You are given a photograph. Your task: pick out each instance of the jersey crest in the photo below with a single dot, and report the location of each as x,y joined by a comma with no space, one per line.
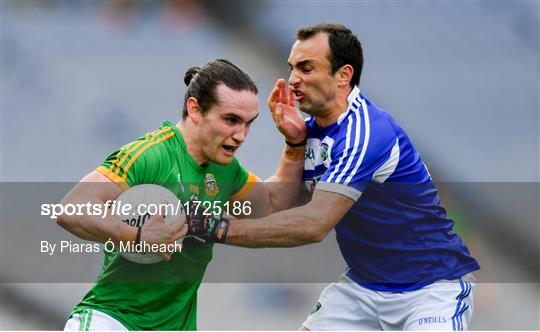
325,151
210,184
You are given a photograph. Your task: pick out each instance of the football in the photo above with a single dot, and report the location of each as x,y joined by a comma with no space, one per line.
138,204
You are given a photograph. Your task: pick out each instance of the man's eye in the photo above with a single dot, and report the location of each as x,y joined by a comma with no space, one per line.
231,120
307,69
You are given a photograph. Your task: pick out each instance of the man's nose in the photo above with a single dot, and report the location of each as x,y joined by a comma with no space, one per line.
240,134
294,79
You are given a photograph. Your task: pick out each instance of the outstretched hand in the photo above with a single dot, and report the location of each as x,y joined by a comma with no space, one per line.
287,118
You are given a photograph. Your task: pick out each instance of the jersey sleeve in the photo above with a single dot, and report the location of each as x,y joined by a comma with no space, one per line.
137,162
365,154
242,182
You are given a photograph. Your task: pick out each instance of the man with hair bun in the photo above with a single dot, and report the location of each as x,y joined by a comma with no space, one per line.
194,158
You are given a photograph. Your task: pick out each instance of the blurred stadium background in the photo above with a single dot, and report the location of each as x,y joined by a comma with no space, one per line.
81,78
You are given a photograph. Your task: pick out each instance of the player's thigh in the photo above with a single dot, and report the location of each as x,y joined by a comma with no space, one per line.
443,306
93,320
343,306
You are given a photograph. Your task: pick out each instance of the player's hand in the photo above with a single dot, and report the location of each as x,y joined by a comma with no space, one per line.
156,231
287,118
206,228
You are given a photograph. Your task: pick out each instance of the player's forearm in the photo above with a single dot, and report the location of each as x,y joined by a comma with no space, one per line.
290,228
291,165
284,185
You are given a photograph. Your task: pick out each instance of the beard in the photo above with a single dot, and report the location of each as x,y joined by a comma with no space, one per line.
318,101
311,107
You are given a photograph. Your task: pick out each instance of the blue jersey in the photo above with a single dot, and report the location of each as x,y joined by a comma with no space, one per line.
396,236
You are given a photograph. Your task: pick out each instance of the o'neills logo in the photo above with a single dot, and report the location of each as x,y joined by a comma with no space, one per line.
431,320
138,221
210,184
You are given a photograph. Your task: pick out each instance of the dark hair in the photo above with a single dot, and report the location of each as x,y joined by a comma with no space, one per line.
345,48
201,82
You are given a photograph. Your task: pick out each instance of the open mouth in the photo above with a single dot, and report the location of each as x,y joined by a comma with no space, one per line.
230,148
298,95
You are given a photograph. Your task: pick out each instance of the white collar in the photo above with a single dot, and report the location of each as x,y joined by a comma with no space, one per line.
354,92
352,95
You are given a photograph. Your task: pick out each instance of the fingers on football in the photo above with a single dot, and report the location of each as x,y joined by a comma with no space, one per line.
159,216
179,230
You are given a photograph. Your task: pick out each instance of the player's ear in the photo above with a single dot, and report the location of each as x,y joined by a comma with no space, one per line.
193,109
344,75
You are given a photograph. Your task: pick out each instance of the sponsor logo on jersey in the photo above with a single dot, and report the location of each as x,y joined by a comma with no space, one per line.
318,153
310,156
210,184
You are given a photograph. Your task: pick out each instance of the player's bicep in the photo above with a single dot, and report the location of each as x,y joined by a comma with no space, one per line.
94,186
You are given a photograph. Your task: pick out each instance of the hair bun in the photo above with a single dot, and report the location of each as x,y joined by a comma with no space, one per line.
190,73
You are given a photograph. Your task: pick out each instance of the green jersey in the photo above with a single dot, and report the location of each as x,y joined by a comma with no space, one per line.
161,296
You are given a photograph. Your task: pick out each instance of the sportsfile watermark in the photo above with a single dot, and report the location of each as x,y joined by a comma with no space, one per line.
119,208
34,249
